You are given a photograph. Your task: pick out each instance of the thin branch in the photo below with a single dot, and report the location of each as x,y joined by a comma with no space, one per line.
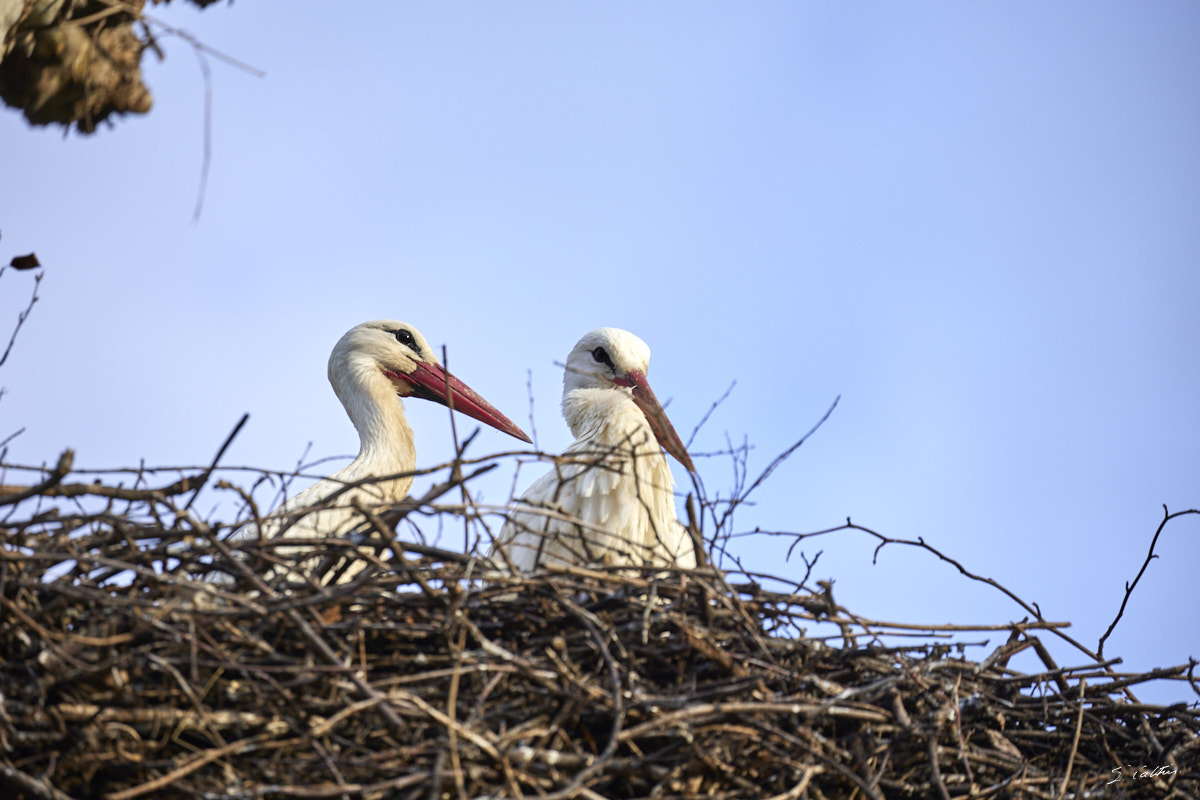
54,489
1029,607
52,480
1075,741
708,414
8,439
208,110
137,13
533,434
741,496
1167,517
24,315
217,459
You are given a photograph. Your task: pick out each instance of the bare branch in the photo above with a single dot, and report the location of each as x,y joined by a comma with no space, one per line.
52,480
22,316
1129,587
708,414
741,496
217,459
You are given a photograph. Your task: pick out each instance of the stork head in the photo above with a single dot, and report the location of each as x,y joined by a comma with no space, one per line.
610,358
399,353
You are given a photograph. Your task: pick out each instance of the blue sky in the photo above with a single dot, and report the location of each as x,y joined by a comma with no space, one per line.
976,223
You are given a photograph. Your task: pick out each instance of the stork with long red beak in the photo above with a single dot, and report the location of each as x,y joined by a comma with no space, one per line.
610,497
372,366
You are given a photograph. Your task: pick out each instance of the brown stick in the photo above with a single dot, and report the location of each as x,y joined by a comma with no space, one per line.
53,479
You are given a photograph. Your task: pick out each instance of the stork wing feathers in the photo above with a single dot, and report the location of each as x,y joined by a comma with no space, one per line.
614,506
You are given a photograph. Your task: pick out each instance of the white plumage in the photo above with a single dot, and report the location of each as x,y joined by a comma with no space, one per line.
372,366
610,497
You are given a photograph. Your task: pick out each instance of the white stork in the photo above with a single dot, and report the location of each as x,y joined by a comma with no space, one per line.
610,498
371,367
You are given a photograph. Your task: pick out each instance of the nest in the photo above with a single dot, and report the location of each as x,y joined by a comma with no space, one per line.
125,674
76,62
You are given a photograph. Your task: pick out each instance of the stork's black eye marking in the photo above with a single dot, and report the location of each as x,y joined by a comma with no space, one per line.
601,356
407,339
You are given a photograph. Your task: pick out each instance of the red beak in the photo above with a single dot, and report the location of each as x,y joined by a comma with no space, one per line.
431,382
643,395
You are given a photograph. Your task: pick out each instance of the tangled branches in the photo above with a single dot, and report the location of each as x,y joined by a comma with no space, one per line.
125,674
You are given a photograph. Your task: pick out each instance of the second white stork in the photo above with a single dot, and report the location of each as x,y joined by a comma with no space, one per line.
610,498
372,366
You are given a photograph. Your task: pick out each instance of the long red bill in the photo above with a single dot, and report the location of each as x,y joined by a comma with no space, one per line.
664,431
431,382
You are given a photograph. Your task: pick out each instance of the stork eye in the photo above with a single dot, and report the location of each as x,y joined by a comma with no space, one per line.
405,338
601,356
